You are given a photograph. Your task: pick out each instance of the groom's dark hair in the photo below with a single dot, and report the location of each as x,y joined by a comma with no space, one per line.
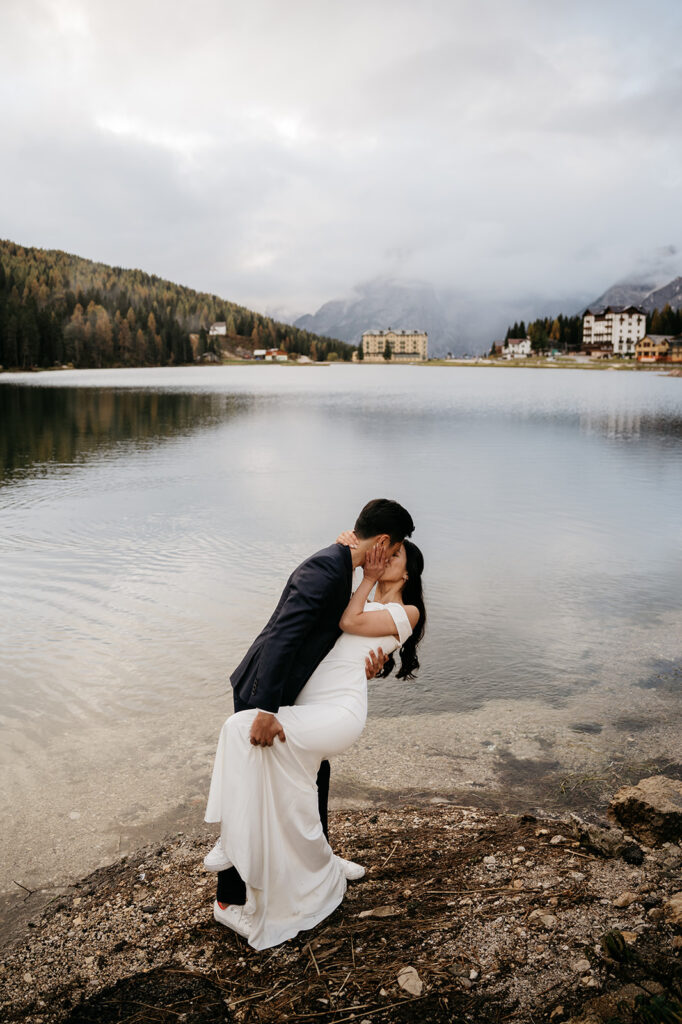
384,516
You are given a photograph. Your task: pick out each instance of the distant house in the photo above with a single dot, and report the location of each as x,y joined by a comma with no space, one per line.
259,353
217,329
517,348
277,355
653,348
614,330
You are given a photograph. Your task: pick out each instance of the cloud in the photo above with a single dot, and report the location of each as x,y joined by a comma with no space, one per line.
279,154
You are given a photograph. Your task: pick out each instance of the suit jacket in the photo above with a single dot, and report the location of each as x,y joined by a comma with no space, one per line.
302,629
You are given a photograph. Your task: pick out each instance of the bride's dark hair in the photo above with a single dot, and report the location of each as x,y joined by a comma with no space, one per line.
412,594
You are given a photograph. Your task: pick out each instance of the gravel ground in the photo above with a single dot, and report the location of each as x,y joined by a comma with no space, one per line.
502,917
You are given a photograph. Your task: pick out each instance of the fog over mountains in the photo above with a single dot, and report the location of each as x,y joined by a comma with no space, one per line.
647,295
461,322
456,321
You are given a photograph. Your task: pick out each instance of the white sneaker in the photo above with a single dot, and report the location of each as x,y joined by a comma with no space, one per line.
351,870
233,917
217,859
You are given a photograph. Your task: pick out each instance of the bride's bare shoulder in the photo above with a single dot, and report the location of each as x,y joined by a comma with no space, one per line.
412,613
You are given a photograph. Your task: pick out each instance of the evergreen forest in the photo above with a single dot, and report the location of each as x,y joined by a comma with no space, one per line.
58,309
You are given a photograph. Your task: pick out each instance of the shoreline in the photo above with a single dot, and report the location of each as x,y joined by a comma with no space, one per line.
667,369
506,756
497,913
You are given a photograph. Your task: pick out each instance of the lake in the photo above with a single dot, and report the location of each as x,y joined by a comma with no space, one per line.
149,519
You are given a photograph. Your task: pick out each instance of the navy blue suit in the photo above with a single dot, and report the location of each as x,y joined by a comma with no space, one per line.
300,632
302,629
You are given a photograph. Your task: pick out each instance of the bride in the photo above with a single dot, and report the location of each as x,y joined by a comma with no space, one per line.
265,798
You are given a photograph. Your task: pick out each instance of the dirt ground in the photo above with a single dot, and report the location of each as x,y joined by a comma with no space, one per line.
502,917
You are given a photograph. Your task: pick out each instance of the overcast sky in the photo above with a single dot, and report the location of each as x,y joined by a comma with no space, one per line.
277,152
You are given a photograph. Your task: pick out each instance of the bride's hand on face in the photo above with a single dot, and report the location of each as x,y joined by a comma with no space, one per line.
375,563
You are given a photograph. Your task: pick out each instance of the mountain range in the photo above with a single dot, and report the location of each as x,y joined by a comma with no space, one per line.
646,295
454,320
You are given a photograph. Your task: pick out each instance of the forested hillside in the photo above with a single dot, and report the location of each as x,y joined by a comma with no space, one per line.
56,308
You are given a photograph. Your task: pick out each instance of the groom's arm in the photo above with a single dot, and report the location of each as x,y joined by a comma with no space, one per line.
314,584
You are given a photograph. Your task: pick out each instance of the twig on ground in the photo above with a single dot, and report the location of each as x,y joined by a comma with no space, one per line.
395,847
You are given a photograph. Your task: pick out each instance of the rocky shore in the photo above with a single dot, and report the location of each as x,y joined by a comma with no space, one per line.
464,915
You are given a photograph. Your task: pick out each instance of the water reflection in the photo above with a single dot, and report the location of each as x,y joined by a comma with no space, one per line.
41,426
146,528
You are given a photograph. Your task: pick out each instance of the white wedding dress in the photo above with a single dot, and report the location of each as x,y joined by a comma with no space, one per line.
266,797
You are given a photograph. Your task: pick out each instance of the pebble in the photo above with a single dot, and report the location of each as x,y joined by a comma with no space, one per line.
555,840
673,909
625,899
581,966
542,918
409,980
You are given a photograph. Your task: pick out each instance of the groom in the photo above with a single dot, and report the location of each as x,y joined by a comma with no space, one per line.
301,631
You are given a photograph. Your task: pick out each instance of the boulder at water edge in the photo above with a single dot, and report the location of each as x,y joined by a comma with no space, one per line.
651,810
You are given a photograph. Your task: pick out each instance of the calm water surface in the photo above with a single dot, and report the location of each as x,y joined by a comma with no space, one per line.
149,518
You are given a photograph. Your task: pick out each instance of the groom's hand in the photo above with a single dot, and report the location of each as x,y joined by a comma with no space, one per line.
374,663
264,729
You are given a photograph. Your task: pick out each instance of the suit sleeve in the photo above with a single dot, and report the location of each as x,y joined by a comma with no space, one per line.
312,586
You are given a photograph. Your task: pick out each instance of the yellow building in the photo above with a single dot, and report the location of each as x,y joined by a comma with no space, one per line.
652,348
405,346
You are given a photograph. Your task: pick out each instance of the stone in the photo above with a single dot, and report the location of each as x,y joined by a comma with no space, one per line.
542,919
410,981
581,966
672,909
651,810
625,899
555,840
